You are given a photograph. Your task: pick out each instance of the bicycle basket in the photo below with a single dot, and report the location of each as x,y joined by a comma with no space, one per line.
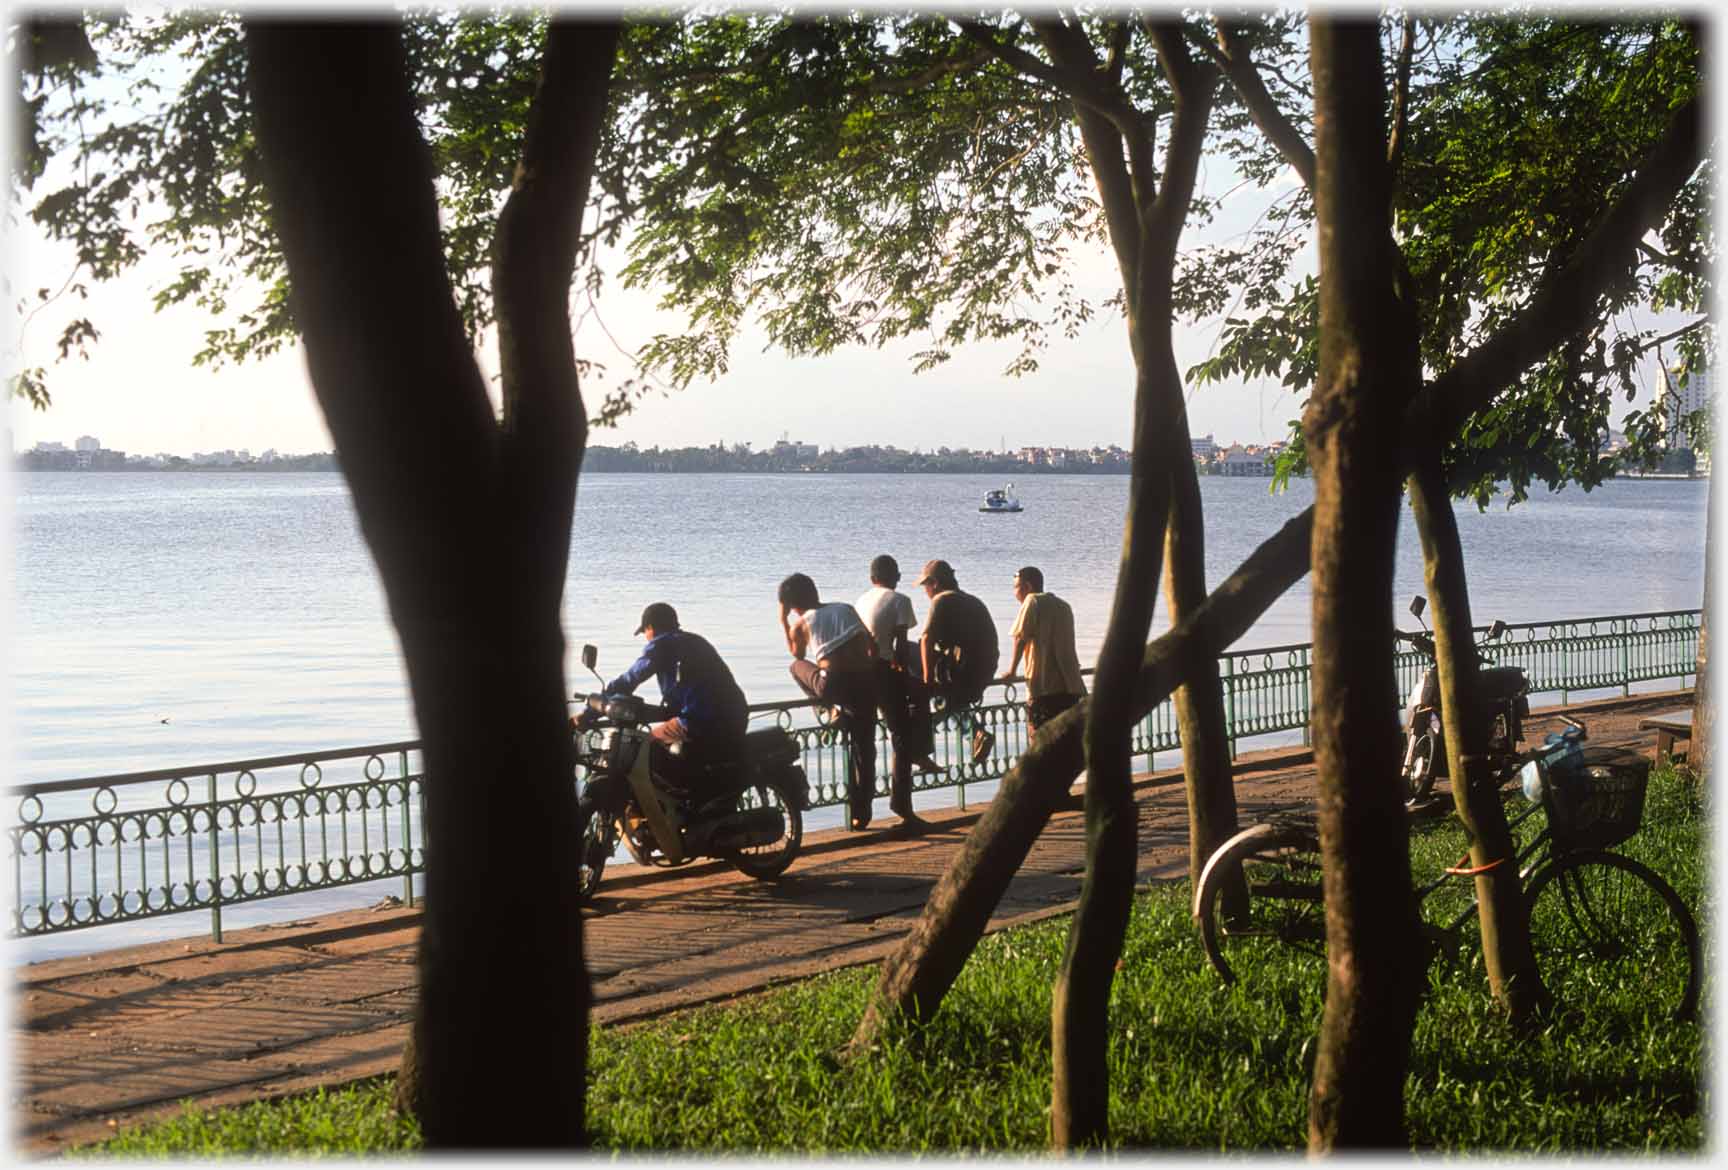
1596,798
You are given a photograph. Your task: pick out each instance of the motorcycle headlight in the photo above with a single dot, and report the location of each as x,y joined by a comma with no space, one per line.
1531,776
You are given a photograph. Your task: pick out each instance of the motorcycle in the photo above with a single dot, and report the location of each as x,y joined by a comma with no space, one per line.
1501,699
746,812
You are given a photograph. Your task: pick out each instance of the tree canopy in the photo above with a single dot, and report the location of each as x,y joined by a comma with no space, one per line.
1520,133
856,181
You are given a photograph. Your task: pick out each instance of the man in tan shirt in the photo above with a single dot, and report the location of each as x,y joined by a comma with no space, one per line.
1044,634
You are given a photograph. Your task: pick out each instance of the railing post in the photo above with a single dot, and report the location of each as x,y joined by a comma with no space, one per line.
846,777
1307,699
1625,662
1230,703
407,835
215,868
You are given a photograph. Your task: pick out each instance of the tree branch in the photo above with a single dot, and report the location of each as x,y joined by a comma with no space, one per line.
1192,84
934,72
1117,57
1103,140
1231,54
1401,98
1570,297
539,229
1082,85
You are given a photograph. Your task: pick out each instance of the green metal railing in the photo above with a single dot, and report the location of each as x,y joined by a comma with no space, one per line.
120,848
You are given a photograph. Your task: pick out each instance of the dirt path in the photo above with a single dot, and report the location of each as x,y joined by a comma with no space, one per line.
103,1040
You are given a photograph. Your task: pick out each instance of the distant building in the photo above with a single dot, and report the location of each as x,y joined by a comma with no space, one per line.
1679,401
88,443
1203,448
1244,461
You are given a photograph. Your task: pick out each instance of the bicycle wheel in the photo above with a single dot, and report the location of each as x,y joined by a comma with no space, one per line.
1609,934
771,859
1280,864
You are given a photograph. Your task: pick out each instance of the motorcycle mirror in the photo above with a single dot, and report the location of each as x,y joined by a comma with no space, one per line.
1417,605
1496,630
590,656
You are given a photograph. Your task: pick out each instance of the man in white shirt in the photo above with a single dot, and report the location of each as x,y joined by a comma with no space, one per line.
834,661
887,611
889,615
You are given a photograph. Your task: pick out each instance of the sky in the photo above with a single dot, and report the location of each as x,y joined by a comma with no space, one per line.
139,392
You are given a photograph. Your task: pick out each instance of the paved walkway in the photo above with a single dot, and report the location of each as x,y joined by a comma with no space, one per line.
103,1040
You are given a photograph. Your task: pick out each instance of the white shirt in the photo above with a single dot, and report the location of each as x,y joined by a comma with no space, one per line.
885,611
831,626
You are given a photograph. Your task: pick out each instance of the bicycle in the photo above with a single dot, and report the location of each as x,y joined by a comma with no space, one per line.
1597,918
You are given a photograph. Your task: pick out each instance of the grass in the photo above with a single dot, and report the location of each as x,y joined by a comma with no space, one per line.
1194,1065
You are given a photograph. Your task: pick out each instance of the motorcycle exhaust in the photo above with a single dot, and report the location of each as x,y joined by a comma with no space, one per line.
748,829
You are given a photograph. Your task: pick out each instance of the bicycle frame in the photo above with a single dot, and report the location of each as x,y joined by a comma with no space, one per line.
1538,844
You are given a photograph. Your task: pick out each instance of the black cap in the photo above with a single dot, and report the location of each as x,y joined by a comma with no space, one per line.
938,571
659,615
885,568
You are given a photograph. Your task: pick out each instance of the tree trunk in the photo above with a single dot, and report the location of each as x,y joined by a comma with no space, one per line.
1079,1041
469,526
1513,977
1367,371
1200,720
1152,224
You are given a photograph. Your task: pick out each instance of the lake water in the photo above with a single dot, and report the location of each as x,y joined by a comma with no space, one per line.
166,619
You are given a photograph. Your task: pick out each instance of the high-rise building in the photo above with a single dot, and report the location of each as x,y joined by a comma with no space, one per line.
1679,401
88,443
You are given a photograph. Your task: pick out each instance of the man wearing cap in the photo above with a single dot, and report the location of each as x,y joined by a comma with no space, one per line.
834,661
1044,634
706,712
959,650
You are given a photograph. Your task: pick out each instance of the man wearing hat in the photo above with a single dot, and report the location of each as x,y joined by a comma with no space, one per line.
706,712
959,648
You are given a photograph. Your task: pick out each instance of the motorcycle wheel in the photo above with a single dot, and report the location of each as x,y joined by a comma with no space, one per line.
599,837
1419,777
764,862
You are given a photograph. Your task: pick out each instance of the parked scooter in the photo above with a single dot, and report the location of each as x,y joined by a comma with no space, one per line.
1501,699
746,812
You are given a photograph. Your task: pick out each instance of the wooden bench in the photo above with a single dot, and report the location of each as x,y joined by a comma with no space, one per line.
1671,727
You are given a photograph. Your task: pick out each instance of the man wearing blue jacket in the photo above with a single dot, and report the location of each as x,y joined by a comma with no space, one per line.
706,712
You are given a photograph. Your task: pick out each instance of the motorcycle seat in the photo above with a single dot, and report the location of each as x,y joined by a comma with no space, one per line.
1503,682
771,745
